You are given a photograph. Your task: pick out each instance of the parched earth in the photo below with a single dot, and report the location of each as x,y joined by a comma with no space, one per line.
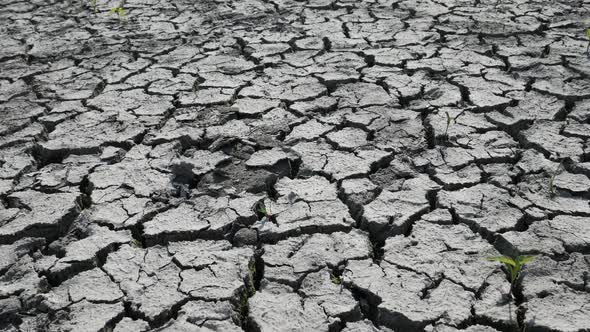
283,165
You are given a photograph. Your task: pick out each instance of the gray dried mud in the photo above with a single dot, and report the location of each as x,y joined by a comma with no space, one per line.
294,165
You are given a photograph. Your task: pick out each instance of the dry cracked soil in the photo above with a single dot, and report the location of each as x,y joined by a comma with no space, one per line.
294,165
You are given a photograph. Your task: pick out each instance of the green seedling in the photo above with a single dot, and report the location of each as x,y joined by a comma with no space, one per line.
587,33
266,216
552,190
513,265
514,268
135,243
120,11
243,305
335,279
251,289
450,121
93,4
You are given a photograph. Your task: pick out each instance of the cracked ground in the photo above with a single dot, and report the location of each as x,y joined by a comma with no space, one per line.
294,165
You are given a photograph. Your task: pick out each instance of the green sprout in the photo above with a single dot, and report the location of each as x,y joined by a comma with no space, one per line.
251,289
450,120
266,214
120,11
552,190
513,265
243,306
135,243
93,4
335,279
587,33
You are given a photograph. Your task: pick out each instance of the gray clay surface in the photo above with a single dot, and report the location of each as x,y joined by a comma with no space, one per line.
294,165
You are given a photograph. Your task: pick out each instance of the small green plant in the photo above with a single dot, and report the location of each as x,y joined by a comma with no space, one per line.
513,265
265,214
251,289
265,211
243,305
335,279
93,4
449,119
552,190
135,243
587,33
120,11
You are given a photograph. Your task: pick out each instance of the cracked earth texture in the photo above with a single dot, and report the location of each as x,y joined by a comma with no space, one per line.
394,144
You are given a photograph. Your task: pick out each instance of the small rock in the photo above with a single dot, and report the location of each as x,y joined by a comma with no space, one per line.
245,237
